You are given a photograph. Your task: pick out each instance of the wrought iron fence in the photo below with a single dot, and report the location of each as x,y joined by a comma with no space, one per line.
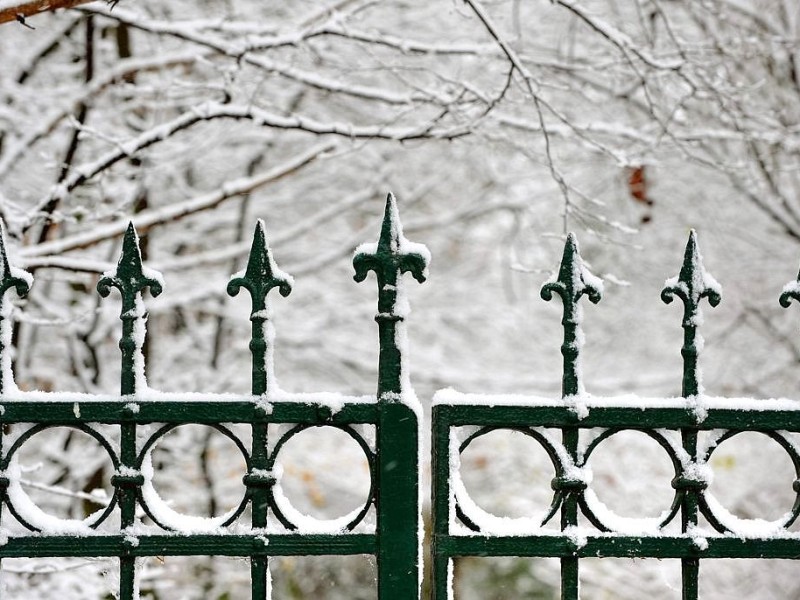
393,461
569,429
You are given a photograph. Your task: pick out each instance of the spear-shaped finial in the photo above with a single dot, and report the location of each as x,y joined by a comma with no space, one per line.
131,279
393,254
260,276
692,285
574,280
21,281
389,258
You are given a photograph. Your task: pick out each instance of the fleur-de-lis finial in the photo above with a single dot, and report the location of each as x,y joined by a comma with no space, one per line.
573,281
21,281
692,285
260,276
131,279
392,256
389,258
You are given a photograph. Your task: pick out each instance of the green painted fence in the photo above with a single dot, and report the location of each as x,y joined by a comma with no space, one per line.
393,463
561,426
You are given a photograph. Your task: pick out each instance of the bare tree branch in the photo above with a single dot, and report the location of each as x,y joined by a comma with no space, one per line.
19,12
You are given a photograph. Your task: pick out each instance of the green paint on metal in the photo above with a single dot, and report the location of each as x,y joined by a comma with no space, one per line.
440,502
389,259
131,279
573,281
691,286
397,499
394,462
610,416
261,276
21,282
10,277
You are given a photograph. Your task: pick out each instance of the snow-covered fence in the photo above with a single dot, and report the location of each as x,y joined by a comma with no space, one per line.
137,523
689,428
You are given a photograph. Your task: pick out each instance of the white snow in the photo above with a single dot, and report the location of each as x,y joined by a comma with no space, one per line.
586,402
793,287
166,515
34,515
694,470
306,523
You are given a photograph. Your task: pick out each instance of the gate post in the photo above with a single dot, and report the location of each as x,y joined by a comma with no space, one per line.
397,500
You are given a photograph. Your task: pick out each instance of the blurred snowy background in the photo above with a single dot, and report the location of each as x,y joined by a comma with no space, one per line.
500,125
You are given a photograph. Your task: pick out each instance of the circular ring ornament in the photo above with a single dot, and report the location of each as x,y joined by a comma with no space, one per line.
726,522
160,512
480,520
604,518
27,512
294,520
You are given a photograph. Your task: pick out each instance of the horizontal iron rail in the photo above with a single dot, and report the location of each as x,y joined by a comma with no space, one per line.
190,545
619,416
619,546
250,410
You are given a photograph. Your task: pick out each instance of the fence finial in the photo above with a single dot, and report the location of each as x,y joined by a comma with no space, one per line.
692,285
389,258
261,275
398,519
21,282
574,280
392,254
131,279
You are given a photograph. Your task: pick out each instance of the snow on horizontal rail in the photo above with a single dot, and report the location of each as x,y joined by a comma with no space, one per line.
151,406
631,411
452,397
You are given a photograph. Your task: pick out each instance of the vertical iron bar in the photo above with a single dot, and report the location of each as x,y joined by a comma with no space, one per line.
261,275
259,565
690,567
21,282
691,285
573,281
570,386
397,502
440,504
130,279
